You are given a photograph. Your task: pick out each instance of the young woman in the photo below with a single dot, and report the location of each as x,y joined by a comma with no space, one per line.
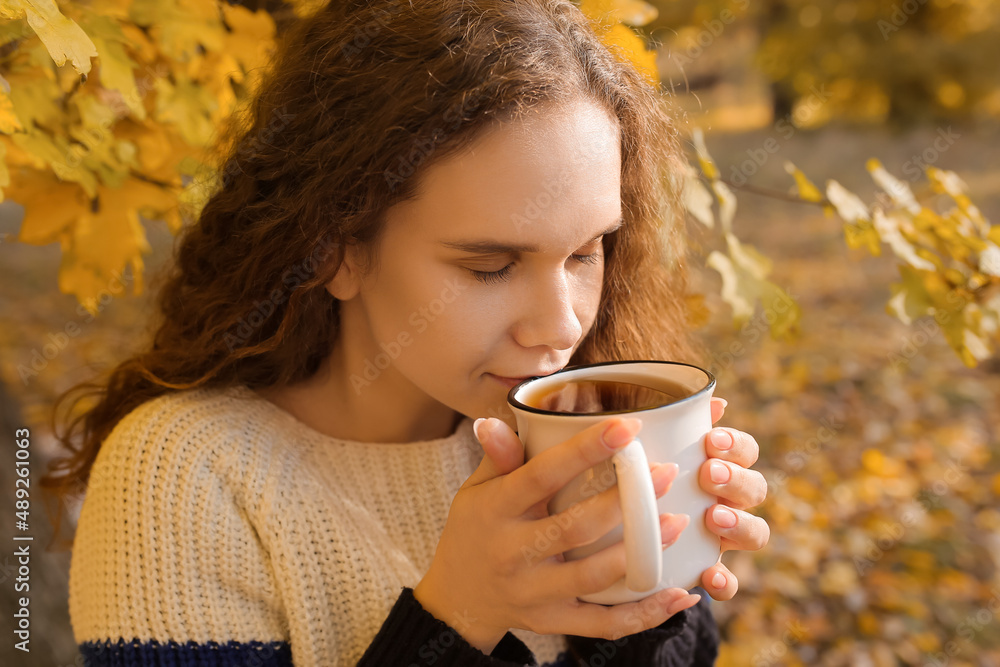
427,202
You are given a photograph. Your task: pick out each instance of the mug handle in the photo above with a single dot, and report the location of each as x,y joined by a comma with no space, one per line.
641,518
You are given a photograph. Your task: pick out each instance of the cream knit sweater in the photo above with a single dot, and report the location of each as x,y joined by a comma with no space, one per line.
215,517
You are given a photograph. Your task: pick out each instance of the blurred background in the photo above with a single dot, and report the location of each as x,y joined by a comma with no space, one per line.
878,442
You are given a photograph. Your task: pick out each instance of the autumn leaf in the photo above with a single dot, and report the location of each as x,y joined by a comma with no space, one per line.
116,67
63,38
9,122
898,191
858,228
606,18
807,189
704,159
744,282
887,227
910,299
50,205
4,172
180,27
696,199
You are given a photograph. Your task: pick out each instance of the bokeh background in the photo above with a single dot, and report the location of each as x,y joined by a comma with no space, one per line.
879,444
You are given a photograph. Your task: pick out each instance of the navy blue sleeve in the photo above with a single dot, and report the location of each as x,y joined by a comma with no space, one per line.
121,653
687,639
413,636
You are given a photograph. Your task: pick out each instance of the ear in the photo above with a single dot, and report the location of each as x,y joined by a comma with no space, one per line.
346,283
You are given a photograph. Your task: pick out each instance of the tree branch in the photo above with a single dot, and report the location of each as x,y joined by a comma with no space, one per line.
775,194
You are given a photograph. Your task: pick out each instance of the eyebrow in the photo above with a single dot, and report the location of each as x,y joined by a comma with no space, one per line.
498,248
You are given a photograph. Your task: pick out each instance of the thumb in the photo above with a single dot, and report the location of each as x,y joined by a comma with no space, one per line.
503,451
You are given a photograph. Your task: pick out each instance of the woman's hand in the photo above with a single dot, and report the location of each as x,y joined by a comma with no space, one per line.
499,562
744,489
738,489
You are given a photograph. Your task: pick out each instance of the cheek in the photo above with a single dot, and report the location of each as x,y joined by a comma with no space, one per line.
589,300
442,314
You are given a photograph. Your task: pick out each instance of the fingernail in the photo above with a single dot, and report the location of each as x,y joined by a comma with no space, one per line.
724,402
724,517
718,471
662,474
671,527
684,603
620,433
719,580
721,438
480,429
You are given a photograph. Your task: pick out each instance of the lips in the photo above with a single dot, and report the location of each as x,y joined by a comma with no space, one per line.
523,377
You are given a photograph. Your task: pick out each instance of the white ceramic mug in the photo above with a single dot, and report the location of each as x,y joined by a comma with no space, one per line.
670,433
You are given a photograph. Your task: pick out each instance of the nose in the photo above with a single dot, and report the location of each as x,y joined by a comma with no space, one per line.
547,315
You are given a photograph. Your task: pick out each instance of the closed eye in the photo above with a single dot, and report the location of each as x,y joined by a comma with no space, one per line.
501,275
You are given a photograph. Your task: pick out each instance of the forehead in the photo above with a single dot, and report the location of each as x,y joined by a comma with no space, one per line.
557,168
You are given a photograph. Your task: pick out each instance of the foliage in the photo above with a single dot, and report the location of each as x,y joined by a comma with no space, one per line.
880,60
950,260
86,153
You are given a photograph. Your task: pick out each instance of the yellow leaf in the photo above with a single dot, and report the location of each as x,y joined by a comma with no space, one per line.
734,291
636,13
629,44
807,190
600,11
744,282
57,153
909,298
949,182
858,228
989,260
50,205
101,245
605,17
181,26
141,46
704,159
63,38
898,191
252,38
97,149
160,149
887,227
9,123
36,99
304,8
4,173
786,313
727,205
962,329
849,206
188,106
116,73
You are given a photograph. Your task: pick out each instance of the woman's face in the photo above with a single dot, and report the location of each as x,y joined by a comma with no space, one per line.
495,269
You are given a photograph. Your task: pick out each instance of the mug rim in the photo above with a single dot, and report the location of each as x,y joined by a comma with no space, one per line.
514,402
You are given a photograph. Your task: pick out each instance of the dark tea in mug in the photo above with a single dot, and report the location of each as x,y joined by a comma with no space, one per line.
584,397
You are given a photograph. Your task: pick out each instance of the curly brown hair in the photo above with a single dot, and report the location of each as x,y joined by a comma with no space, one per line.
361,98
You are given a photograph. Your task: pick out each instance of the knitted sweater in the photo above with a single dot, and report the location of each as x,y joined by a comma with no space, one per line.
217,529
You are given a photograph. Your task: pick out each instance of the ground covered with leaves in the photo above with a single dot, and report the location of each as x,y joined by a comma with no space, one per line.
879,446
